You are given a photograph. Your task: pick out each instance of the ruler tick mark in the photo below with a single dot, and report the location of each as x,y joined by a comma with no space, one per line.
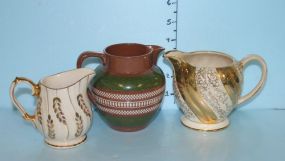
172,37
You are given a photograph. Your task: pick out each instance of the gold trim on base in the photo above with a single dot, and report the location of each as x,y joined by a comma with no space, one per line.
207,127
66,146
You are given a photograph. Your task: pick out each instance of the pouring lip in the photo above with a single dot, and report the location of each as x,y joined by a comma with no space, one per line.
128,44
209,52
83,71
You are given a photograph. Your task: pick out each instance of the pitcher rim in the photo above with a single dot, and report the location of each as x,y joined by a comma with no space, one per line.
88,73
232,63
127,57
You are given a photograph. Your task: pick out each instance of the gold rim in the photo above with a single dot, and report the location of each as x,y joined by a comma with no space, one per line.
66,146
41,83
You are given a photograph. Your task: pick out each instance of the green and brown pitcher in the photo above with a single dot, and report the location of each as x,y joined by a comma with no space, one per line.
129,87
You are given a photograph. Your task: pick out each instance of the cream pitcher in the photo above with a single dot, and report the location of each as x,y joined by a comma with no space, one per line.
208,86
63,114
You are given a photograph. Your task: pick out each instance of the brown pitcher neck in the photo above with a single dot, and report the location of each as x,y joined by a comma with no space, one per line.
128,65
125,58
130,58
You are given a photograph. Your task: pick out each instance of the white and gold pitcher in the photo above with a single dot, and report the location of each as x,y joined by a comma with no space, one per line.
208,86
63,114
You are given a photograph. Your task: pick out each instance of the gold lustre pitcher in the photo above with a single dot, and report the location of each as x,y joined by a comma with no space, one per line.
208,86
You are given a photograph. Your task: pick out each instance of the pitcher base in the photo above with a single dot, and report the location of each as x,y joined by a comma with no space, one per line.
204,127
66,144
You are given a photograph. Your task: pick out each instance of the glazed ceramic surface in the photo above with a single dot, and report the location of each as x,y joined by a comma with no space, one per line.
128,87
63,114
208,86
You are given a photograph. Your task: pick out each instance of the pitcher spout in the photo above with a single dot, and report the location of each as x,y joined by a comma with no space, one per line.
173,54
89,73
156,50
175,57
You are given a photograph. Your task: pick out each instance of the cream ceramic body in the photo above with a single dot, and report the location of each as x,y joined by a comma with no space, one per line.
208,86
63,114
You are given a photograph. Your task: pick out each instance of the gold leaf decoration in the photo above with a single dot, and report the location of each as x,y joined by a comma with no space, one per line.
50,124
39,113
79,124
83,106
58,111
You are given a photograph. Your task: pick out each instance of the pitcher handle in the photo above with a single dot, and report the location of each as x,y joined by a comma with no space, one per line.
88,54
258,87
36,92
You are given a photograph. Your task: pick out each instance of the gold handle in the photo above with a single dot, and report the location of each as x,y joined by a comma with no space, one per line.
36,92
254,91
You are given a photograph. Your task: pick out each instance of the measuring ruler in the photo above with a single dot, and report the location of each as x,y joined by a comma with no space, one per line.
171,24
